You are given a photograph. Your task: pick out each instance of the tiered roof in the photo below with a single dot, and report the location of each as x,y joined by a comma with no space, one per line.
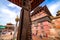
39,9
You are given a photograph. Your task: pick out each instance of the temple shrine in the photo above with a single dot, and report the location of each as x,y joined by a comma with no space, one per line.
56,20
41,21
56,23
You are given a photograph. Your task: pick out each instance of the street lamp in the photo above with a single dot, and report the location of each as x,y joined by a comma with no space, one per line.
15,30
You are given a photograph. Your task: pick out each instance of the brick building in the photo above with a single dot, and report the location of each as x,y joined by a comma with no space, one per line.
41,21
56,23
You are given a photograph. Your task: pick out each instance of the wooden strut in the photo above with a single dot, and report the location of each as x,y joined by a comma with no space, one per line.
24,30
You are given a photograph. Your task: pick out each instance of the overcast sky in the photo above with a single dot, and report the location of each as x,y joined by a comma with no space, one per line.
9,11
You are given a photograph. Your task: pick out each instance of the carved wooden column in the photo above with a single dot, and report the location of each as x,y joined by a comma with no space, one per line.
24,31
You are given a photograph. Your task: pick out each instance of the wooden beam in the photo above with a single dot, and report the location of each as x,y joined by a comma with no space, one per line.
34,3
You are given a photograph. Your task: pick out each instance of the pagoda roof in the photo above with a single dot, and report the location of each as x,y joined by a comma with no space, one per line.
34,3
9,24
36,10
39,9
46,18
46,10
54,17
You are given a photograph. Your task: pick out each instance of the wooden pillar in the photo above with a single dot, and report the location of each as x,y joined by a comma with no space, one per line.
24,30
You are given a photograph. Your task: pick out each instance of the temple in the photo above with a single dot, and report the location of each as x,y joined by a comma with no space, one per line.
56,20
41,21
56,23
